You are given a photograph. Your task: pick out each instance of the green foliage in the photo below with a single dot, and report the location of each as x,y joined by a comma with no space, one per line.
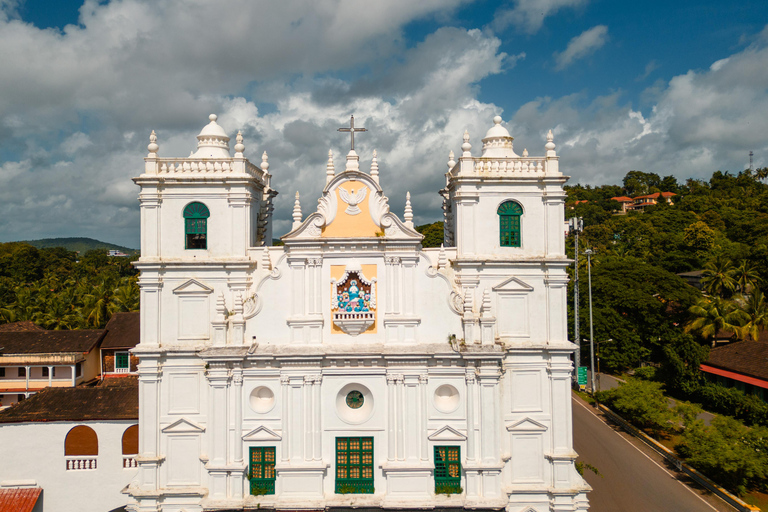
714,314
733,402
699,237
642,403
433,234
680,366
728,452
447,489
56,291
581,466
646,373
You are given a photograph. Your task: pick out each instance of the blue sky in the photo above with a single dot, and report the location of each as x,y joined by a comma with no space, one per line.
669,87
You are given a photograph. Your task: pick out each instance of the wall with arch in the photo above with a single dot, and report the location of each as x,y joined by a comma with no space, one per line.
39,451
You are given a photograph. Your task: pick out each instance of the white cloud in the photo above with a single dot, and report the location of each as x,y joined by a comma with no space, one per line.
583,45
529,15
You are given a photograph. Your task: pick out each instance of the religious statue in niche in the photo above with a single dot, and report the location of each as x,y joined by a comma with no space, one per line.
353,301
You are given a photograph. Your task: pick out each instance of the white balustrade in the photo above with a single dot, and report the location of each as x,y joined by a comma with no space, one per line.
80,462
129,461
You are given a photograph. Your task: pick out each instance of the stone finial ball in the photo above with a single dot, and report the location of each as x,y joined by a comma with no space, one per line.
213,117
497,120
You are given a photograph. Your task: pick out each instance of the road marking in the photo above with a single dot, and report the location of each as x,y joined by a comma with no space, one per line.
645,455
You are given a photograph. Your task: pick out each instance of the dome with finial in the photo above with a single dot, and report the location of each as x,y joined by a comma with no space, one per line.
497,142
212,142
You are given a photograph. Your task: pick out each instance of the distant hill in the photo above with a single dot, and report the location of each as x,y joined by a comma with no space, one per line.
81,245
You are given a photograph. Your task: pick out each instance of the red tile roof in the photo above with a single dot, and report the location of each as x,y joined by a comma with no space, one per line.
123,331
622,199
745,357
48,342
19,499
115,399
23,326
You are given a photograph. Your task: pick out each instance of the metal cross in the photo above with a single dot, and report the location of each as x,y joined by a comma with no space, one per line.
352,130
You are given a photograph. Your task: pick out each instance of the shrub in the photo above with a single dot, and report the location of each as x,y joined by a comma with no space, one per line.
646,373
733,455
642,403
732,402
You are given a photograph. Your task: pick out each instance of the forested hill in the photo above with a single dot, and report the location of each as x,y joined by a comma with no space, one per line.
79,245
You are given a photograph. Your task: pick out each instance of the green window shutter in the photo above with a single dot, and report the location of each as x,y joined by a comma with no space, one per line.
509,224
196,226
354,465
122,360
447,469
262,470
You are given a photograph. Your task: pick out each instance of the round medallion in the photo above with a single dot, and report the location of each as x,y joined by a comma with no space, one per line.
355,399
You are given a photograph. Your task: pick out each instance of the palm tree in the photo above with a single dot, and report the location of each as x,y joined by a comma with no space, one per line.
756,309
126,296
746,276
714,314
718,276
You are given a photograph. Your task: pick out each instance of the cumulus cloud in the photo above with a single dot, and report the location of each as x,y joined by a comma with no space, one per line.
583,45
701,122
529,15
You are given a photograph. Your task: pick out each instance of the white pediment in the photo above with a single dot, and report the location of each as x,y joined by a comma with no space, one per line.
526,425
513,285
447,434
183,426
192,287
261,434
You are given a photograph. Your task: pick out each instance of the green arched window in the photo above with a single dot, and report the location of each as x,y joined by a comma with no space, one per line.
196,226
509,224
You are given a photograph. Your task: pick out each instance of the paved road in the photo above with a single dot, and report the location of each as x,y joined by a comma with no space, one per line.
634,478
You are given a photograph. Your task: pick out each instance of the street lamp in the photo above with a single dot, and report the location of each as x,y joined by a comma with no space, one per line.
576,226
589,253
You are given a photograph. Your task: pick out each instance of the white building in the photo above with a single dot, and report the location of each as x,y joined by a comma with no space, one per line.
351,367
76,444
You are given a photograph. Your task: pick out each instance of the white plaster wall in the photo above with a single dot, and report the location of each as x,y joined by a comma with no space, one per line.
37,452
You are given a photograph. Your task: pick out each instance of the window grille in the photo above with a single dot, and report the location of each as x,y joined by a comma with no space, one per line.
354,465
509,224
196,226
262,470
447,469
122,362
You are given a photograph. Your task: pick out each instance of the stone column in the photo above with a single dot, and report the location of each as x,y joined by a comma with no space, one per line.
471,448
423,407
411,413
148,458
218,381
309,435
489,380
286,406
400,419
150,223
391,417
317,412
237,433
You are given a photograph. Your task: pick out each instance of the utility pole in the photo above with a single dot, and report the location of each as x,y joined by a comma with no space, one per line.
576,225
750,161
588,252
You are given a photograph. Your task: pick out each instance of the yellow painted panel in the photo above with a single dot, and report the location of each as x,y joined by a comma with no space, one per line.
369,271
346,225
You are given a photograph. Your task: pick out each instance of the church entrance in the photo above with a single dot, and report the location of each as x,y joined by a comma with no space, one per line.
354,465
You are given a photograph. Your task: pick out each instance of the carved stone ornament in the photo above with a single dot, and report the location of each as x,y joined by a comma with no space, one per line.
353,301
352,199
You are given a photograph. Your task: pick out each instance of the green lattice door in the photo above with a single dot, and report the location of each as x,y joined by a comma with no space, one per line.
447,469
262,470
354,465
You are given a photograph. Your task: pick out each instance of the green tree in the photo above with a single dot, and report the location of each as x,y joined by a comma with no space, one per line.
756,309
728,452
643,403
719,277
714,314
699,237
746,276
680,367
433,234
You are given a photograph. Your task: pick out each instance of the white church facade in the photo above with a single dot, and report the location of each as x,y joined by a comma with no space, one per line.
350,367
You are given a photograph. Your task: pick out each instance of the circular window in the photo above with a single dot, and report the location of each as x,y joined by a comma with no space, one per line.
355,399
354,404
446,398
262,399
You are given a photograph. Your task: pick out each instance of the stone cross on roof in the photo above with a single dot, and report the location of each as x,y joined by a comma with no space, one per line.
352,131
